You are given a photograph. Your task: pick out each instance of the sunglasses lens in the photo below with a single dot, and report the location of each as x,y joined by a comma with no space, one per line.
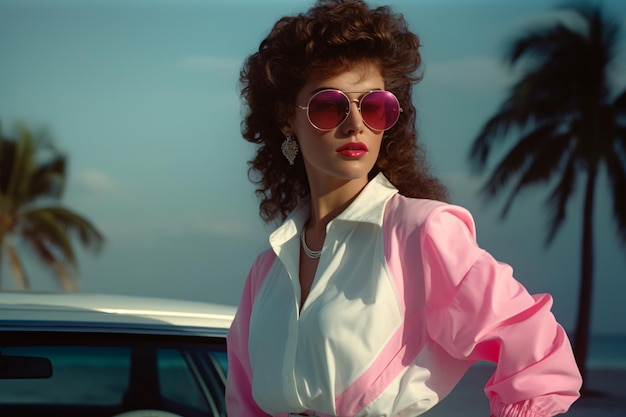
328,109
380,110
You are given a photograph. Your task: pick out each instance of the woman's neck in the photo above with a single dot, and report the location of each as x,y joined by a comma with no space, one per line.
329,200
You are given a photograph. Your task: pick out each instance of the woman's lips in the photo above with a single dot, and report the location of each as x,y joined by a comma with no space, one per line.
352,150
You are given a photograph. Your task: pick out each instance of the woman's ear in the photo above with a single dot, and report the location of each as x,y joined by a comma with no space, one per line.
283,117
286,129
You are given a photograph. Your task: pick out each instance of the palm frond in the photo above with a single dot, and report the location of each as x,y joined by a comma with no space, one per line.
7,151
72,222
66,277
517,158
544,163
21,167
48,179
568,62
41,227
531,102
540,46
494,130
603,31
23,175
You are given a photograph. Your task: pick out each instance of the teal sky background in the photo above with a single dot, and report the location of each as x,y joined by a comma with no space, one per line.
142,95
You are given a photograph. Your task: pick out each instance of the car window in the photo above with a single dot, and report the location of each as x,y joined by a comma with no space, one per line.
81,375
178,382
109,374
222,361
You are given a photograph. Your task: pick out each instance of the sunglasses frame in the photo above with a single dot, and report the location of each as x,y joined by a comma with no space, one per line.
350,101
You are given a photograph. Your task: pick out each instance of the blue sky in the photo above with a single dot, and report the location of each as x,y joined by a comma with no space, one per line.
142,96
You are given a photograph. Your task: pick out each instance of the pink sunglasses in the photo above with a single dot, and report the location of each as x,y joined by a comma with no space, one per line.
329,108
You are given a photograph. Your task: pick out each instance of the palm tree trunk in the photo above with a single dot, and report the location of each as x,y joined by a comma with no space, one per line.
64,278
1,251
583,323
17,268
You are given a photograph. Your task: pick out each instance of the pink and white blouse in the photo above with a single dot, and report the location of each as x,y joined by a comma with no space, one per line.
403,303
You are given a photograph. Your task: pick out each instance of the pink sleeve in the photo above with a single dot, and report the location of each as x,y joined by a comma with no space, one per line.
478,311
239,401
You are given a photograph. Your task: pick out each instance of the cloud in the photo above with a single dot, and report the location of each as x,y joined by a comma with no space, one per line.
95,181
461,186
202,226
209,63
136,233
474,74
542,19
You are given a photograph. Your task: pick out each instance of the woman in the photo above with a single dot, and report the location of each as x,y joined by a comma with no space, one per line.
374,298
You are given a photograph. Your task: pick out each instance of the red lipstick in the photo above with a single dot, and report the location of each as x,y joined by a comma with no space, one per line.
352,150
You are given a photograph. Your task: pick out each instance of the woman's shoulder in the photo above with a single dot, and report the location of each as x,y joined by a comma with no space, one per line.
264,260
418,212
260,269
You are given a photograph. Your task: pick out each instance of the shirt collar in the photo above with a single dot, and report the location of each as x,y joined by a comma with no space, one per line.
368,207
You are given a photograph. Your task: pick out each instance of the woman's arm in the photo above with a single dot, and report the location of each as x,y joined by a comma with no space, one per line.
478,311
239,400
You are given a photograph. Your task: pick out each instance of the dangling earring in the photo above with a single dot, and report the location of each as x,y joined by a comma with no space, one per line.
290,148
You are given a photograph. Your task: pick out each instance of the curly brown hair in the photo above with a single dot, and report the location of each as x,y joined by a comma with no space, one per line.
328,39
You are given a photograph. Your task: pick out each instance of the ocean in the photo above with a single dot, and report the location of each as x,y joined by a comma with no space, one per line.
607,351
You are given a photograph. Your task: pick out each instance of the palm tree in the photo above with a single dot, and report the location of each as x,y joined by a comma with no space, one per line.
30,188
570,126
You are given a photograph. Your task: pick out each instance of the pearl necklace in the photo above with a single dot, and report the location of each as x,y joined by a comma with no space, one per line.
313,254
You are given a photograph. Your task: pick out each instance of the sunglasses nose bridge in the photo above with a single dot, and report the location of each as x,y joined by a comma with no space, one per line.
358,105
349,109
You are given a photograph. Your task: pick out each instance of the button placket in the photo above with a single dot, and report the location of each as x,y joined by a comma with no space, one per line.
289,363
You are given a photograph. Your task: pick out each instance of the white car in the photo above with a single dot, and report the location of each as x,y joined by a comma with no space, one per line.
109,355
